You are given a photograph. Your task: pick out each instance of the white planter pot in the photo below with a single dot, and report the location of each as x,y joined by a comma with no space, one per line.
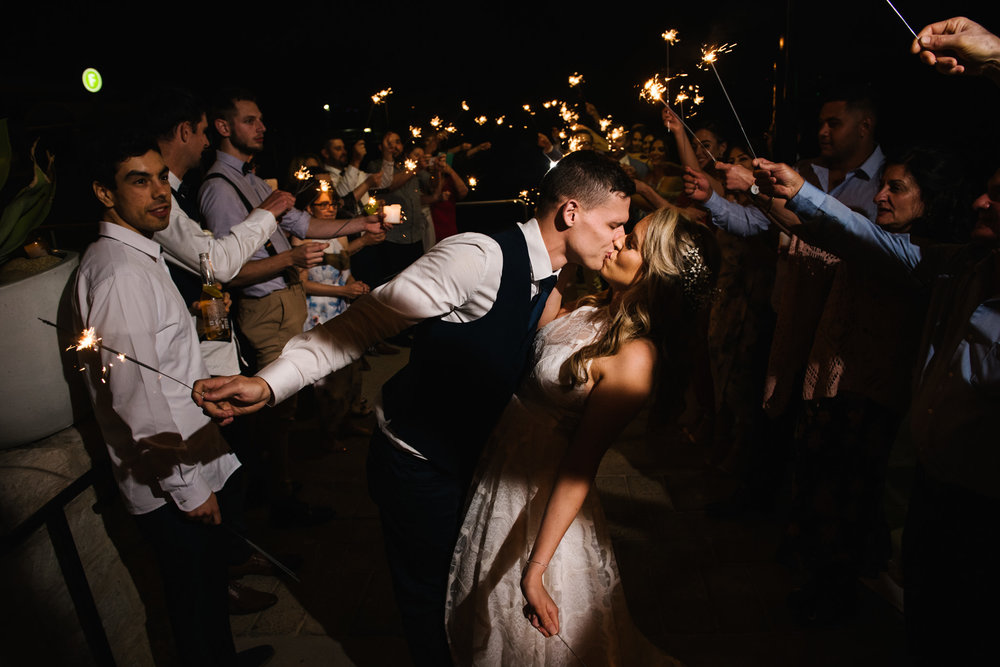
38,383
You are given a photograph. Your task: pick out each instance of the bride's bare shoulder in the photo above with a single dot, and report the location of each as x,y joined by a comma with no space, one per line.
633,365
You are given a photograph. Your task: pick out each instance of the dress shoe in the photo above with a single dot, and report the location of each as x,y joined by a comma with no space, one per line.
256,656
261,566
246,600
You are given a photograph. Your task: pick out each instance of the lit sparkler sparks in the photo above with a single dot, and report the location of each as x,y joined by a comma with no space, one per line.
710,56
436,122
305,177
653,91
500,120
380,96
89,340
410,165
324,185
902,19
465,105
670,37
481,120
568,115
415,131
450,128
473,182
575,79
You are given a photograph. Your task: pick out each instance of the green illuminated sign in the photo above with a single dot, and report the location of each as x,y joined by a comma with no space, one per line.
92,80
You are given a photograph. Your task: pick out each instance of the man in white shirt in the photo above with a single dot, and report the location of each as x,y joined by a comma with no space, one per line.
177,120
172,466
478,299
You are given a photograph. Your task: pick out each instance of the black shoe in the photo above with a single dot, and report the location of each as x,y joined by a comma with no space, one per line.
256,656
293,513
246,600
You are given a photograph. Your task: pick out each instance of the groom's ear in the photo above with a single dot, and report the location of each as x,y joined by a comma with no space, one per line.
569,212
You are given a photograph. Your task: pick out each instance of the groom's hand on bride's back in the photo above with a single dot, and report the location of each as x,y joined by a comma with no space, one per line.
223,398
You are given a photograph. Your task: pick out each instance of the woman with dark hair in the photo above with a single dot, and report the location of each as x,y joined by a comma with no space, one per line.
856,390
532,512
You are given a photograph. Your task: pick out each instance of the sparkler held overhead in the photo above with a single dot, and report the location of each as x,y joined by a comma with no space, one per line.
653,91
709,56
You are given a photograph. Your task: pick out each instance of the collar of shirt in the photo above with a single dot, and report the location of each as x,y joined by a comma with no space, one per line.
175,183
868,170
230,161
131,239
538,255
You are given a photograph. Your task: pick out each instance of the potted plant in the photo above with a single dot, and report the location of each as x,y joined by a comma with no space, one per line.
34,392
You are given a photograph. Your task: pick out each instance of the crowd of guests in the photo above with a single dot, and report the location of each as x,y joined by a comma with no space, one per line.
855,309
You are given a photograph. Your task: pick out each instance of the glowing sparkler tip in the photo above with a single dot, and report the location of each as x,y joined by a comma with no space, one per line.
670,36
303,173
709,55
575,79
89,340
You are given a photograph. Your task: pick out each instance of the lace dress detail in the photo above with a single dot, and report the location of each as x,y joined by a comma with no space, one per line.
484,611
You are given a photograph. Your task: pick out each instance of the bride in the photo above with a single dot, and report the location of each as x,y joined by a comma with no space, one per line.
533,531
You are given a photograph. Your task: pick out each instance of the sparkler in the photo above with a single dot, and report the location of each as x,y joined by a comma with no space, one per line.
415,131
575,79
652,91
305,177
89,340
473,182
902,19
380,96
670,37
481,120
410,165
708,57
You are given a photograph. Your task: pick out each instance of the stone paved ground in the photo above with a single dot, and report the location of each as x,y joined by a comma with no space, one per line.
707,591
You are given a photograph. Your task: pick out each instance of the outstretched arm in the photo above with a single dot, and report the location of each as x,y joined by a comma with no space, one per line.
622,385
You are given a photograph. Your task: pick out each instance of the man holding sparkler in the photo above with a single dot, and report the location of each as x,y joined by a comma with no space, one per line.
478,300
173,468
272,307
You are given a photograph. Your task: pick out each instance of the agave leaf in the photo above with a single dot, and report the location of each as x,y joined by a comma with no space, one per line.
28,209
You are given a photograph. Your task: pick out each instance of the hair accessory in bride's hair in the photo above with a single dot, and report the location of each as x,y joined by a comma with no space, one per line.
699,288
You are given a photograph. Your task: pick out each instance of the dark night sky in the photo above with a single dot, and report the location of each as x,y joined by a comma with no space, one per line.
298,56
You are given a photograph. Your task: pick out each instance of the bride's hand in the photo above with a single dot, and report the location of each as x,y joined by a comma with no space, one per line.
540,610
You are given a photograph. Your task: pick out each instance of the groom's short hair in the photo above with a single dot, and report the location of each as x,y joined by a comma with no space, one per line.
586,176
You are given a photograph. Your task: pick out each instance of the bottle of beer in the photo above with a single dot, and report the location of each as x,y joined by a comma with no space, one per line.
214,324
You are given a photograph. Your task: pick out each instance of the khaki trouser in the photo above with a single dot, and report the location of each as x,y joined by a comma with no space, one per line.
268,323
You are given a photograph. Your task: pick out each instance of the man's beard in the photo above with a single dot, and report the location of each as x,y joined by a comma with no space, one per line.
239,145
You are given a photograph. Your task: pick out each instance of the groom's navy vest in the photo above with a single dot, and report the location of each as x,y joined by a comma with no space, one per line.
448,398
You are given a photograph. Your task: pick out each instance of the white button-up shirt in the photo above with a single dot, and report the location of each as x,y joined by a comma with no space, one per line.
124,291
456,280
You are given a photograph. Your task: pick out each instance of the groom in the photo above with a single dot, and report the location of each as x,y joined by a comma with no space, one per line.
477,300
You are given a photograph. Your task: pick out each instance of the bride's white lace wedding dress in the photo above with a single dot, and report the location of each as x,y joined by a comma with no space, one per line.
485,619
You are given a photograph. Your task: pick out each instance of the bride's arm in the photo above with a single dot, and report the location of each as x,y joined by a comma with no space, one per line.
622,384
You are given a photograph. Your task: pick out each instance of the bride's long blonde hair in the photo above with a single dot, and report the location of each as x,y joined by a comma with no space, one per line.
680,261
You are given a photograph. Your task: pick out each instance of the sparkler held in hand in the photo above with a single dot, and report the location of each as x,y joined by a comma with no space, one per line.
653,91
89,340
